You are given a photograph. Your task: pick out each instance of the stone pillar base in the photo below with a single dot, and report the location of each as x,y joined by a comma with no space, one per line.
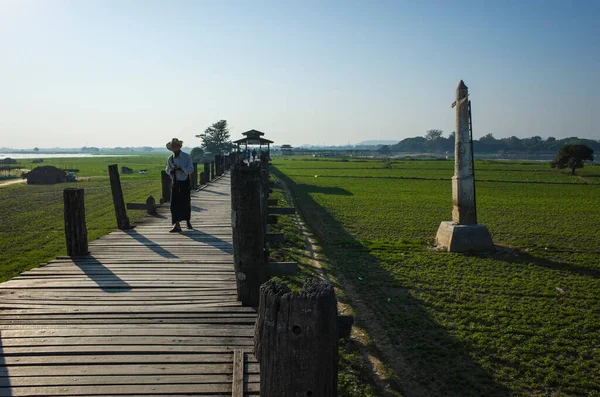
464,238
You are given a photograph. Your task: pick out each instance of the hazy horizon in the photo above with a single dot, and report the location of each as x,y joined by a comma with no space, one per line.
137,73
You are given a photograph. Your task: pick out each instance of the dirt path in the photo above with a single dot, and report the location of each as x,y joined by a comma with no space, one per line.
12,182
380,372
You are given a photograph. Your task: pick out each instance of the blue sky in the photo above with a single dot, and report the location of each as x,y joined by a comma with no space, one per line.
120,73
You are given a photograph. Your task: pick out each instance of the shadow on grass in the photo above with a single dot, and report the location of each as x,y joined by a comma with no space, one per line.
426,358
101,275
516,256
324,189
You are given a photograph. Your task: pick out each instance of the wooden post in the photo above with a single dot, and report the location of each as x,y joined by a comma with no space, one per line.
75,228
248,241
226,161
166,186
212,170
218,159
296,340
207,172
202,181
195,176
117,194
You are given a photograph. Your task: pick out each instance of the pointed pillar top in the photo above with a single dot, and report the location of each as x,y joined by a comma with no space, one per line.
461,90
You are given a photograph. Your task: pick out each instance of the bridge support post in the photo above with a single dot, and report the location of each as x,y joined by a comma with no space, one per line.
296,340
206,172
212,170
248,240
195,177
165,180
217,165
117,194
75,227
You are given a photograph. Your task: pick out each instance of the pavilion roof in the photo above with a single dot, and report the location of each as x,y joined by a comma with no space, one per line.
253,137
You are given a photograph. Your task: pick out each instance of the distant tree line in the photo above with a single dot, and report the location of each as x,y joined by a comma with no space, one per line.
435,142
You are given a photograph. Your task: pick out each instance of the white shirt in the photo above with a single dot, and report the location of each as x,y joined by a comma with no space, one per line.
184,161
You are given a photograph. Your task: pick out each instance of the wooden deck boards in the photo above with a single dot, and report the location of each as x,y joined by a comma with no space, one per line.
146,313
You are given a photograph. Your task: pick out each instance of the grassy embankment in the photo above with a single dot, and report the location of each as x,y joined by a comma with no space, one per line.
522,321
31,217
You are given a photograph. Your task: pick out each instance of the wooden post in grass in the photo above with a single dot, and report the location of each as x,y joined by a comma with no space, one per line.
166,186
248,240
206,172
117,194
212,170
75,228
296,340
194,177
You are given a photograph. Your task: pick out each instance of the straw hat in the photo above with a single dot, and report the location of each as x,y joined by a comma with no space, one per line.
174,142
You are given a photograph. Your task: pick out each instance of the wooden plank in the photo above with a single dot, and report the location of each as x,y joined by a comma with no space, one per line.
120,349
117,359
158,379
124,369
101,310
129,340
237,385
195,389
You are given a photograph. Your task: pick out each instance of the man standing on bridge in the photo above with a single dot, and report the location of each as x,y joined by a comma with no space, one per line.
179,166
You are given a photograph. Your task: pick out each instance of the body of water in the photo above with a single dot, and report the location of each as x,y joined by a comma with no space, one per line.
58,155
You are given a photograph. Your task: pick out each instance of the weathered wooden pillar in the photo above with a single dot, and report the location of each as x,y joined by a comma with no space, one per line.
206,172
75,227
226,163
296,340
248,241
195,176
202,180
217,164
166,186
212,170
117,194
264,207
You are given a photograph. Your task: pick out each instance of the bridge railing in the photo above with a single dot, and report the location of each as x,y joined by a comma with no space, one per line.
296,334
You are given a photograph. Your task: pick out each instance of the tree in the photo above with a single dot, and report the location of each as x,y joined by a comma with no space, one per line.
36,149
216,138
488,138
573,157
197,154
432,135
385,149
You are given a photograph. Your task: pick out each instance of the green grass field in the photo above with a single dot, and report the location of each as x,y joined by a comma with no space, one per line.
522,321
31,217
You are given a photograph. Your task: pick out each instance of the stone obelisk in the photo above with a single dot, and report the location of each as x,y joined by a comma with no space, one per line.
463,234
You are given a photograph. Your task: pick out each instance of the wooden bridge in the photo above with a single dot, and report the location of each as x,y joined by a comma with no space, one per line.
146,313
